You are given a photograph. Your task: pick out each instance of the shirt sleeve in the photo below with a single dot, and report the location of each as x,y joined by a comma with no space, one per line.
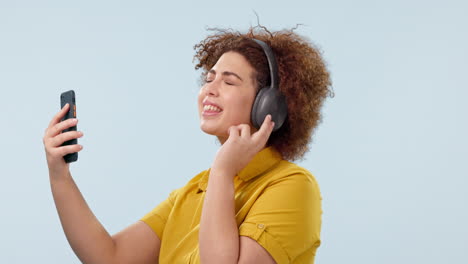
286,218
157,218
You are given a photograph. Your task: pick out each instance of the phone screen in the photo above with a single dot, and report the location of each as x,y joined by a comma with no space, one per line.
69,98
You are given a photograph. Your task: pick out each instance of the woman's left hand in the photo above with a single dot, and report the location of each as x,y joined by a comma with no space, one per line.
241,147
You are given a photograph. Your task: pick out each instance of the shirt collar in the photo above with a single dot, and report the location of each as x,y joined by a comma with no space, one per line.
260,163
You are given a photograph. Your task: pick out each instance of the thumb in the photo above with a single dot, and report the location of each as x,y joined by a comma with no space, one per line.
262,135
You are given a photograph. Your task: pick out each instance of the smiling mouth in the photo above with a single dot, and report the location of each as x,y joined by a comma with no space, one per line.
211,110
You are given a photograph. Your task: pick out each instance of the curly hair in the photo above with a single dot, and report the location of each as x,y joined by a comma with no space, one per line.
303,78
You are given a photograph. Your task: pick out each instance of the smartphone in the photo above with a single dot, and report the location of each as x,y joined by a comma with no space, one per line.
68,97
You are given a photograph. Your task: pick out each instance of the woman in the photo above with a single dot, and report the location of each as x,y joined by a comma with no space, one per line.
252,205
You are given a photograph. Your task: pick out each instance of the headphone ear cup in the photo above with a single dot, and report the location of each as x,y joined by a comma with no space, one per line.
269,101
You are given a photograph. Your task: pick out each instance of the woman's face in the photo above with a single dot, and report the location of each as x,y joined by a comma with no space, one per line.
226,98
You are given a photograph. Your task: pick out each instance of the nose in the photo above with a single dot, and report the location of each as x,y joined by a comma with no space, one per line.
211,88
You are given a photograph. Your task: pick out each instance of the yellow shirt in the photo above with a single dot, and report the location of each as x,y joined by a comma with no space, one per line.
277,203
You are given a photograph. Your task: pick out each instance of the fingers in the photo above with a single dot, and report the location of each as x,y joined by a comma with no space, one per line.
53,144
59,127
262,135
58,151
56,127
54,138
59,139
244,130
62,151
59,115
234,131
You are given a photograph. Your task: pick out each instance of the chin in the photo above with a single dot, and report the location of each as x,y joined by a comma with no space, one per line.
221,137
214,131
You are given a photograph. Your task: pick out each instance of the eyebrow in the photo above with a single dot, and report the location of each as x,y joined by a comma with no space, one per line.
226,73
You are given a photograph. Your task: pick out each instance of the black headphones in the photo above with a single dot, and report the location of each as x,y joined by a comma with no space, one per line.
269,99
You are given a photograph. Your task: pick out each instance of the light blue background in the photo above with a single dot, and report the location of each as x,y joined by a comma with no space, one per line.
390,155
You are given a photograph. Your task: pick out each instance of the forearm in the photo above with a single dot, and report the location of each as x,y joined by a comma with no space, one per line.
219,235
87,237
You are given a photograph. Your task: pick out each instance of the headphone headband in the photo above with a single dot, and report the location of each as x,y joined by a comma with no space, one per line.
272,65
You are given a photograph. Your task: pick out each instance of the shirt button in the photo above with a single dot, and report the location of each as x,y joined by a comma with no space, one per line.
260,226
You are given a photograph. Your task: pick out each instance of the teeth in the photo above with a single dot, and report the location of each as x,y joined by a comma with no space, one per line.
211,108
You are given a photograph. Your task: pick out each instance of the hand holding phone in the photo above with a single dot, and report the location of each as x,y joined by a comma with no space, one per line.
69,98
54,139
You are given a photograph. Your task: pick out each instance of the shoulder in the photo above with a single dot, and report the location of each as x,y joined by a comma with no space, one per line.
199,177
286,172
194,185
285,217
